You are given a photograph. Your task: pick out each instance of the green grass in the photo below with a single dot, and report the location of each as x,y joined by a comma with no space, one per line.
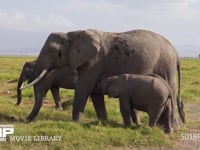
190,84
90,133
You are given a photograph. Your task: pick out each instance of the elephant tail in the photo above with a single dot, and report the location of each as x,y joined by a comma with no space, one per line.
179,101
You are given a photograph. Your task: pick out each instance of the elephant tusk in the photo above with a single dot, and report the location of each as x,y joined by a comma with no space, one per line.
21,87
34,81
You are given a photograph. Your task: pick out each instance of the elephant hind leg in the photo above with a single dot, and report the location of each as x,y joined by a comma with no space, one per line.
152,121
167,114
174,121
154,115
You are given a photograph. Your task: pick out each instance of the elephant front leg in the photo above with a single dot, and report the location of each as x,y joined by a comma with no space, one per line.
56,97
80,100
99,105
84,87
82,91
135,118
125,110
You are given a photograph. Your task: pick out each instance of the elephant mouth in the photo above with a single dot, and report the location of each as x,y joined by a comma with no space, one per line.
42,74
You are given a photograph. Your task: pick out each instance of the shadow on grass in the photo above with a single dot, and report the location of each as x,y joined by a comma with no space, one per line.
107,123
67,104
5,118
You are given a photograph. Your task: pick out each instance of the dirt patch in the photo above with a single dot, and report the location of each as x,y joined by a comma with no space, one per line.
188,144
31,103
6,93
189,139
193,112
6,90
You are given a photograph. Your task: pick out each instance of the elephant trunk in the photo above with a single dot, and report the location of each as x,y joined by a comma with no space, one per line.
43,73
25,75
38,103
19,92
179,101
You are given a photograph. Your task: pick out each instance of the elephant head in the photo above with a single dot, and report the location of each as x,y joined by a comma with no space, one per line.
111,86
25,75
72,49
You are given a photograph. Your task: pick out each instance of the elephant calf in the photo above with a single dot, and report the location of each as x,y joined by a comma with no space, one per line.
149,93
53,80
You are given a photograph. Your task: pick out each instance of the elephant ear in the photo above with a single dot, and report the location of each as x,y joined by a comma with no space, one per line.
110,86
105,84
84,46
57,37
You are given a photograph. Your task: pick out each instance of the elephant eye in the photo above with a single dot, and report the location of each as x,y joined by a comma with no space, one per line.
78,50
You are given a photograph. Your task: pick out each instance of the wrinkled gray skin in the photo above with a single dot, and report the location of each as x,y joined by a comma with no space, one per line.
94,53
53,80
149,93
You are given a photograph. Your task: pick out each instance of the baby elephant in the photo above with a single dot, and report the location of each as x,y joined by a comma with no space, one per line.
149,93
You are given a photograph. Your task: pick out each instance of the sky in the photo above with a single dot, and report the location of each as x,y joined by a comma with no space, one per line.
25,24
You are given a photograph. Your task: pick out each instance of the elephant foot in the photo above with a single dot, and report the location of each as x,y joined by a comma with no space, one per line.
162,121
175,125
77,116
60,108
168,130
28,120
139,124
17,104
127,125
102,116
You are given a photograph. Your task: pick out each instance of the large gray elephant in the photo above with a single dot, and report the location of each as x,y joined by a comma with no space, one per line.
53,80
149,93
95,53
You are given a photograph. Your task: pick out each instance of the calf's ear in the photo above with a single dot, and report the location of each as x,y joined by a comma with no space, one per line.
113,91
104,85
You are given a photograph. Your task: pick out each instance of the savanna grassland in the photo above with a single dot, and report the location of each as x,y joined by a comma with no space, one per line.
91,133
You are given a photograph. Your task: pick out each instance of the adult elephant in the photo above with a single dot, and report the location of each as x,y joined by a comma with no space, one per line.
53,80
96,53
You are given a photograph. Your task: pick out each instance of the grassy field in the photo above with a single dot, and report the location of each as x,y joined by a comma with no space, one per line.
90,133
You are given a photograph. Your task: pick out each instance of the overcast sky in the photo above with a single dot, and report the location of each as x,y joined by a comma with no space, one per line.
27,23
